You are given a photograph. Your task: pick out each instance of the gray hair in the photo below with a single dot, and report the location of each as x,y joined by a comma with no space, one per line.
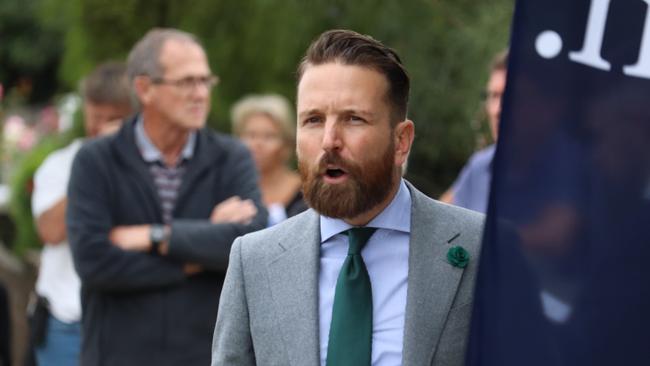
144,58
273,105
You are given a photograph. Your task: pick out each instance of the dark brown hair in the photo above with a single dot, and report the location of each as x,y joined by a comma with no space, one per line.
107,84
351,48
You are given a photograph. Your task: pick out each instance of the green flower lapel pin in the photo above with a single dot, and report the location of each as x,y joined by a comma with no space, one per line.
458,256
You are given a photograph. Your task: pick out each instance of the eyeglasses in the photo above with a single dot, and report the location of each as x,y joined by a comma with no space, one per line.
186,85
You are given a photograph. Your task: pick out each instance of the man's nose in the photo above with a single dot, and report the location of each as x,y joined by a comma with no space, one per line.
200,90
331,137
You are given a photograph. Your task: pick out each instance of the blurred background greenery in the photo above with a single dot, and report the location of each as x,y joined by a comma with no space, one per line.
254,47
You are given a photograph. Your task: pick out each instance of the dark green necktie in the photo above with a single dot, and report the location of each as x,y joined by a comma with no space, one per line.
350,340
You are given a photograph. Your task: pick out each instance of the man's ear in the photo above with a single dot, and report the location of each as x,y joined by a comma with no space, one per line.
404,135
143,89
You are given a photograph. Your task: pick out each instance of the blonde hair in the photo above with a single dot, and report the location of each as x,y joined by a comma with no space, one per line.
275,106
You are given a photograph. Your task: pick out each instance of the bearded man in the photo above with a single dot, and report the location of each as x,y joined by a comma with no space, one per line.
375,273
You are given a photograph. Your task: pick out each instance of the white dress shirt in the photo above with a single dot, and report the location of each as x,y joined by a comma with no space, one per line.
386,258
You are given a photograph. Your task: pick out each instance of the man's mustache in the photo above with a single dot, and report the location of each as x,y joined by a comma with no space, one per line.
330,158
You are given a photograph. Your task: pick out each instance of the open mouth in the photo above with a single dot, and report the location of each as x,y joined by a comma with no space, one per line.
334,173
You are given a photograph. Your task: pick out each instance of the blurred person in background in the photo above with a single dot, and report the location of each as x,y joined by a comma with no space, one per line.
56,319
266,125
153,212
472,187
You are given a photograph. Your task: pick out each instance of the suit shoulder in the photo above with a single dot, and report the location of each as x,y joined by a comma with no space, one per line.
267,242
462,215
465,220
461,219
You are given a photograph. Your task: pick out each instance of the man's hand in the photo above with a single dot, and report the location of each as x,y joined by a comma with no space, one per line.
135,238
234,210
192,268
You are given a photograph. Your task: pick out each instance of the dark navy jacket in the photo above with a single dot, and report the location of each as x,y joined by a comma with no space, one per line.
141,308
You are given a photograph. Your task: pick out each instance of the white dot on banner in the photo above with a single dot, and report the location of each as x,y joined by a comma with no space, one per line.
548,44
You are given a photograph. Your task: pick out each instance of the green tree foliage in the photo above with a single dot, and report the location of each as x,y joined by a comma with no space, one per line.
30,49
255,45
22,186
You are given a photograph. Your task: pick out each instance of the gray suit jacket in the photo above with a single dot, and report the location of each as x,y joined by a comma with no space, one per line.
268,313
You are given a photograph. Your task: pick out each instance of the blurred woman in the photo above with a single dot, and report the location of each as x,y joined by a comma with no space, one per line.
266,125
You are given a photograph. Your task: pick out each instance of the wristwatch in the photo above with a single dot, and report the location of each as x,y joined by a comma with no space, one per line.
158,234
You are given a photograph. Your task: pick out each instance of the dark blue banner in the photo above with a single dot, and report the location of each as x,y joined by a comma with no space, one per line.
564,275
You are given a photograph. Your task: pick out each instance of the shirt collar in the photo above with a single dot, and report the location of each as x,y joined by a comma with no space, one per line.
396,216
150,152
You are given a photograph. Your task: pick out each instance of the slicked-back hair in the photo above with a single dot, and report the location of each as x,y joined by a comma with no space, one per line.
144,58
351,48
107,84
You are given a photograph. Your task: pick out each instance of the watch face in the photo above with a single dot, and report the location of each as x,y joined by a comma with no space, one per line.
157,233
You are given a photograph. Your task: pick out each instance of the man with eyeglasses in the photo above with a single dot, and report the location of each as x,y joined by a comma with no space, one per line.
153,211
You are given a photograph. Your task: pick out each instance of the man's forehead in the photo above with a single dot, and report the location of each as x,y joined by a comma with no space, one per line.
344,85
337,71
172,46
177,54
497,76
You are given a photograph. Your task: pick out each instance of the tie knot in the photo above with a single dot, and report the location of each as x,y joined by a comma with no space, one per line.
358,238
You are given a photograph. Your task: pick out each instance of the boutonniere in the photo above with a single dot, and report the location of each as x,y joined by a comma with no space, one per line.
458,256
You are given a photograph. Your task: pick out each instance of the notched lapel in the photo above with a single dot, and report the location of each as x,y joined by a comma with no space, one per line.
432,282
293,279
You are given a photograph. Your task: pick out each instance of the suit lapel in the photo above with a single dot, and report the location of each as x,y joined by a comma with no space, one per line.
432,281
293,278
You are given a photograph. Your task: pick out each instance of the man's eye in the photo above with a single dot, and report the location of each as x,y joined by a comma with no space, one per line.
314,119
186,83
354,118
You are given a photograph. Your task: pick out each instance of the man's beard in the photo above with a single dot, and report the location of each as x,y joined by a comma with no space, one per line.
366,187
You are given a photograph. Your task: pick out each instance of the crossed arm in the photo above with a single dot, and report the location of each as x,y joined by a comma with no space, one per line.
117,258
138,237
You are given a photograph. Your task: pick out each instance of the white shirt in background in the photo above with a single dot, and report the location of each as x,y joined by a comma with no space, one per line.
57,280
